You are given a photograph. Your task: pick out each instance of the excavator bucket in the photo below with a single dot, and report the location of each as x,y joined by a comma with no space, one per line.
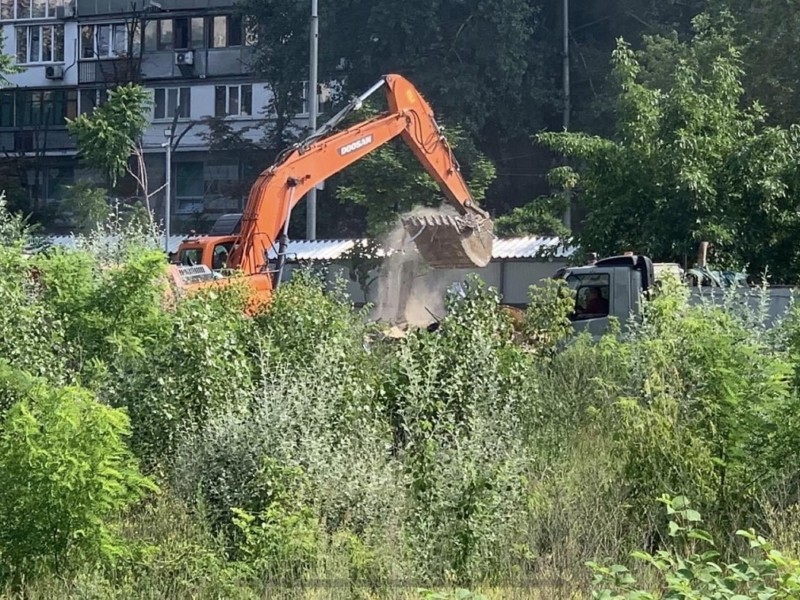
451,241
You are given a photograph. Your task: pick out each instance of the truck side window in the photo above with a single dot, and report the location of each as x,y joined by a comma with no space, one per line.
591,295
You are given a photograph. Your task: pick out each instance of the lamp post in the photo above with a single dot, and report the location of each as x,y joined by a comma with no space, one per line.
311,198
567,100
167,187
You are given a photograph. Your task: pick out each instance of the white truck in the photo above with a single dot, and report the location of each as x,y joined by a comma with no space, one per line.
618,286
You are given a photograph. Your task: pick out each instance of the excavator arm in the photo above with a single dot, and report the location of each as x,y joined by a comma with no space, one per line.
461,240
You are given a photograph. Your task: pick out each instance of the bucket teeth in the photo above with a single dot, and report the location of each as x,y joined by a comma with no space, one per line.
451,242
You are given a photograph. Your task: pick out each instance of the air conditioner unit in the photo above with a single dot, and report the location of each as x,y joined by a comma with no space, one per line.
185,57
65,12
54,72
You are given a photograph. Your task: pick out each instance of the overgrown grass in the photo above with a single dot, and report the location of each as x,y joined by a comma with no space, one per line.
298,454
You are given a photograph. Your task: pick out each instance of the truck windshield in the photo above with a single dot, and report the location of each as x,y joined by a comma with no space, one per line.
591,295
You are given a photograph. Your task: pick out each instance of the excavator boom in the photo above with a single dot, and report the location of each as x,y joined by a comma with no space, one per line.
463,239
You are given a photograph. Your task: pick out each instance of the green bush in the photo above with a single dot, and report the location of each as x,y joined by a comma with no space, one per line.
691,568
65,477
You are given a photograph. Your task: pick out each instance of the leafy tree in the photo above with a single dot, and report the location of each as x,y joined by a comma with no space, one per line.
112,133
769,33
540,217
65,475
687,163
391,180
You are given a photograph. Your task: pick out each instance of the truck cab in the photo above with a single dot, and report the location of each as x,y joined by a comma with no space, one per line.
611,287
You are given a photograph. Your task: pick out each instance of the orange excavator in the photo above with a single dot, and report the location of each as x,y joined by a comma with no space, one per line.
242,243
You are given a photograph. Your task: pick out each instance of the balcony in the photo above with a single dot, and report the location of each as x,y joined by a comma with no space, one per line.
90,8
108,71
207,62
55,139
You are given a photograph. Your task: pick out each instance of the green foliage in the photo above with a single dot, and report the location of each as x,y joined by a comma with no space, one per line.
104,312
106,137
692,568
688,162
462,466
542,217
547,322
86,205
281,540
391,180
7,63
65,475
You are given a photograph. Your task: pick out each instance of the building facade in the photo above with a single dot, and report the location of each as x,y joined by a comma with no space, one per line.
193,56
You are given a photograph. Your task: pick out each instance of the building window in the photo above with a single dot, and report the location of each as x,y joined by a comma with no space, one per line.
225,31
189,187
109,40
58,178
233,100
40,44
168,101
165,35
198,32
91,99
44,107
158,35
7,109
29,9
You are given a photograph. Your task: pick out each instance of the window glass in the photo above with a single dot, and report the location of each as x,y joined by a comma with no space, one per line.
591,295
220,32
221,255
87,41
190,257
165,34
185,102
58,49
181,33
235,30
22,44
120,39
23,9
172,102
189,180
233,100
151,35
34,44
39,9
47,44
247,100
7,109
103,39
198,32
219,101
6,9
160,103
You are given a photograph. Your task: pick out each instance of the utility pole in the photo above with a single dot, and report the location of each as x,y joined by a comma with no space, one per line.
167,188
311,198
567,101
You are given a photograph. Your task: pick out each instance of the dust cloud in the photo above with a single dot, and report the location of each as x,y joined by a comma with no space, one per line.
408,293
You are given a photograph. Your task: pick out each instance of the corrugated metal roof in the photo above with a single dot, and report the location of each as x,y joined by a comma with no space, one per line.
316,249
325,250
529,247
70,241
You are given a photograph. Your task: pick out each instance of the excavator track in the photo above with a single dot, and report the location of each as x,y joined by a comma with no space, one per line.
450,241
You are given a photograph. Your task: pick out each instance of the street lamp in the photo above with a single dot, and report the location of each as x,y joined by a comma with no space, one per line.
167,187
311,198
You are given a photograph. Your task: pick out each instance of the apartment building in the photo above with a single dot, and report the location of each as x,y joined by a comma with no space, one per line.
193,55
